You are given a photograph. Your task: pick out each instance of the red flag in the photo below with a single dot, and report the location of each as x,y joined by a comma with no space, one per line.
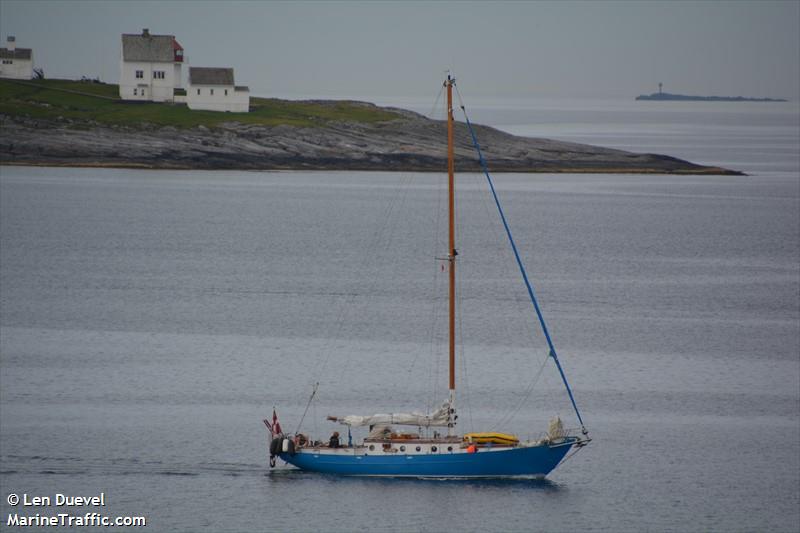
276,426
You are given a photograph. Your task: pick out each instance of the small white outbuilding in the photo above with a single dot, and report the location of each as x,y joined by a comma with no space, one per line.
213,89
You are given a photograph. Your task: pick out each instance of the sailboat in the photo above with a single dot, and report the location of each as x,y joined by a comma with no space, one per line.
388,452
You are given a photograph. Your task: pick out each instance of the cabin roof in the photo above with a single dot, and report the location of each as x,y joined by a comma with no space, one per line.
210,76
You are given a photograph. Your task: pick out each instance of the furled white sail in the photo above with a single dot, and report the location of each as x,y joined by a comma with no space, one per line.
440,417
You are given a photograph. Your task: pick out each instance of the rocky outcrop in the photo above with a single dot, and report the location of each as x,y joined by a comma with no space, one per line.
410,143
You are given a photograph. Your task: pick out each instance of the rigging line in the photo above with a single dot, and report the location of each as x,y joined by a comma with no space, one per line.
386,241
494,226
459,304
378,236
571,455
434,232
310,399
457,230
436,303
316,418
438,112
508,417
438,346
504,264
373,239
462,352
522,268
433,369
519,301
346,303
435,107
434,308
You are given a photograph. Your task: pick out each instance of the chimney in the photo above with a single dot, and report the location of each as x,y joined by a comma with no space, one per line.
145,32
12,43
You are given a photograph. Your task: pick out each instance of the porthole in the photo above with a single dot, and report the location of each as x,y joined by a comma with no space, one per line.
371,447
449,448
402,448
434,448
419,448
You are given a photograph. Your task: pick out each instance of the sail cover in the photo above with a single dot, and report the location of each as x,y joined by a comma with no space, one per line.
436,418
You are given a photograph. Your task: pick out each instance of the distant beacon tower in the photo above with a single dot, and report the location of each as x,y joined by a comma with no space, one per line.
659,87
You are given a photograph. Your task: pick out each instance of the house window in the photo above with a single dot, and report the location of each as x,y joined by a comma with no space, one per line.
212,92
198,92
134,92
139,74
158,74
226,92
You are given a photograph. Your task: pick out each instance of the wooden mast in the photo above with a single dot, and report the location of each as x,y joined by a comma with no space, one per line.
451,247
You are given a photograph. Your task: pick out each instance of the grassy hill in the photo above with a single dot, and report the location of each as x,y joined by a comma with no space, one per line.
83,102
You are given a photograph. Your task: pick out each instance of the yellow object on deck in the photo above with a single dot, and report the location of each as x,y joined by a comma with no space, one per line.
493,438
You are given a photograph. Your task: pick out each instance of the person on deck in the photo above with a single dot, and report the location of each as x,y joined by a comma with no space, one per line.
334,442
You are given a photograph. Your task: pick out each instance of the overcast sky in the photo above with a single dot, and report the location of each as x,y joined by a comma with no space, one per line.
387,49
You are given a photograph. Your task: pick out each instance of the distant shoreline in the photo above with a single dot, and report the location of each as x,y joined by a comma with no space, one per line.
700,171
409,144
688,98
61,123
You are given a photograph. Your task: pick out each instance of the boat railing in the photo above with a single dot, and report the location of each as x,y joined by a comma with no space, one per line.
562,436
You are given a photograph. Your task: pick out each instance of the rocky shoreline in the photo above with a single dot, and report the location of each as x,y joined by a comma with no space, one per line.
409,143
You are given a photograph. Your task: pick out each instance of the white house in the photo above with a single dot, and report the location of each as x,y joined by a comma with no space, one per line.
150,67
16,62
213,89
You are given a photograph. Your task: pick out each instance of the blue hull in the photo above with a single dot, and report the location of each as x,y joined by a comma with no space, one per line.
536,461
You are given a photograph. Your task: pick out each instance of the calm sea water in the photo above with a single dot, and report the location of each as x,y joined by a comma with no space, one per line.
150,320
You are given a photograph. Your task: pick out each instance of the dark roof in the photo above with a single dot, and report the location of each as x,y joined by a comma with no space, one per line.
146,47
210,76
19,53
243,88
